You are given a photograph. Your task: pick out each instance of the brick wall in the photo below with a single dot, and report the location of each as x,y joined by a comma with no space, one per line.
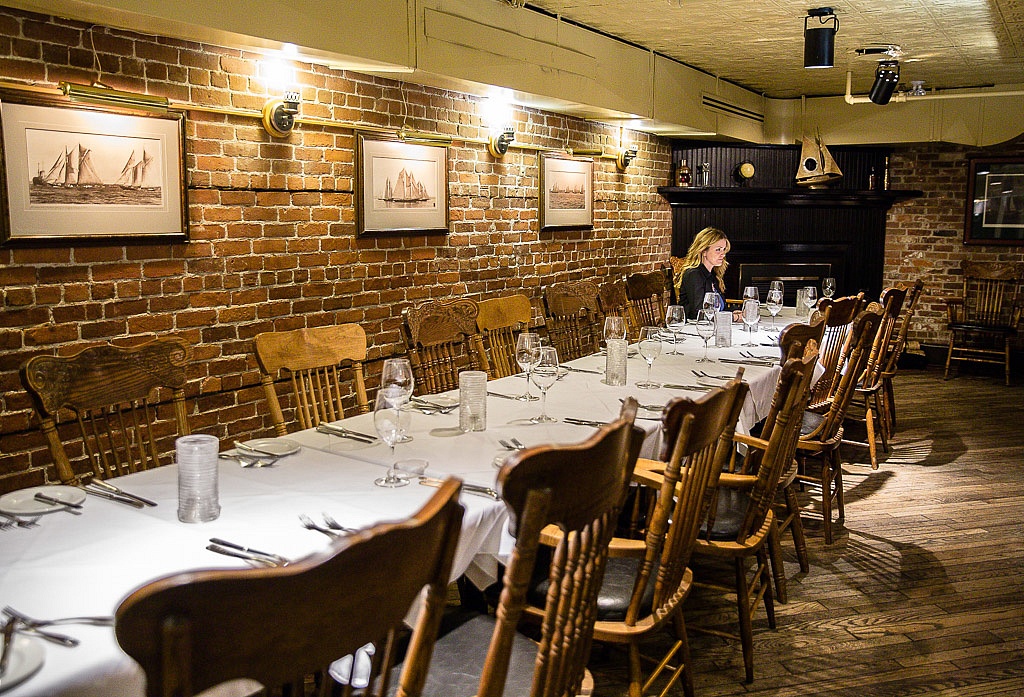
273,238
925,236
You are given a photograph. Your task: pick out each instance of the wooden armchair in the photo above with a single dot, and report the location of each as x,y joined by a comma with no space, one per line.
572,313
112,393
985,317
574,493
312,358
499,321
647,296
612,300
897,346
808,336
741,523
442,339
191,631
841,313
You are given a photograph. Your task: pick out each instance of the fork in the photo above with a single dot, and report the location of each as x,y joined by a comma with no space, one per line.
509,445
649,407
20,522
330,522
702,374
31,623
309,524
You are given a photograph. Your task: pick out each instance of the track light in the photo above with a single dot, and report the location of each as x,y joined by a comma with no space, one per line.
887,75
820,41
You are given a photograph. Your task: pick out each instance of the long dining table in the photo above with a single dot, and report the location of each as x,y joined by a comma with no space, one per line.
74,565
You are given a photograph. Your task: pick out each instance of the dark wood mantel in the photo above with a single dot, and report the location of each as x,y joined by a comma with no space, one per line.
748,197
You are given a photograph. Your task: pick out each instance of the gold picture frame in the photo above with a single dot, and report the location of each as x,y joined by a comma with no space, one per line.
566,192
401,187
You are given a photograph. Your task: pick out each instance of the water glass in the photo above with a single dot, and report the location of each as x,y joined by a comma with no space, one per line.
705,330
198,496
615,362
774,304
650,348
544,375
675,321
527,354
810,299
750,293
390,421
614,328
472,401
751,316
828,287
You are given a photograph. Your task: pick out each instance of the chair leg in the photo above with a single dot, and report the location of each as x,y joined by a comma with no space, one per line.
636,676
1006,353
746,630
775,559
840,498
684,652
890,397
869,420
796,528
949,355
826,497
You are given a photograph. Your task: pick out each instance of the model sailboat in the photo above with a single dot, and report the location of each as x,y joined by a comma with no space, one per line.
817,168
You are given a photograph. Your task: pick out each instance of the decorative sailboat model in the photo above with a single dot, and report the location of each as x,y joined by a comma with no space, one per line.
817,168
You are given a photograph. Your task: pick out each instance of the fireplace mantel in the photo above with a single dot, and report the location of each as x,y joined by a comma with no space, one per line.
747,197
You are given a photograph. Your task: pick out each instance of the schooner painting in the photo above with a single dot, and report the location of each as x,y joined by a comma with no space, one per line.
402,187
90,173
566,198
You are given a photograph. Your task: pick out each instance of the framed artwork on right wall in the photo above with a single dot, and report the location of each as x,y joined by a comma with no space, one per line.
995,201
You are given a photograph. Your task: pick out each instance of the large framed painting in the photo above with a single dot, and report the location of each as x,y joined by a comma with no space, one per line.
82,174
566,192
995,201
401,188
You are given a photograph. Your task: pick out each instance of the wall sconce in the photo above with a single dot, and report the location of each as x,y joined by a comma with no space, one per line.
498,141
820,41
626,155
279,114
100,94
887,75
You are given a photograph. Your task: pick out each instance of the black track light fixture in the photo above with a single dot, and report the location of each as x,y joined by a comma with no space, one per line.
887,76
820,38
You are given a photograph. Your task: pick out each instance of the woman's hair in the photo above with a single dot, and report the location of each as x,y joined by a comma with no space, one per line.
701,243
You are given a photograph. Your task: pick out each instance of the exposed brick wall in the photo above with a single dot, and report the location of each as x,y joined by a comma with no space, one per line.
273,236
925,236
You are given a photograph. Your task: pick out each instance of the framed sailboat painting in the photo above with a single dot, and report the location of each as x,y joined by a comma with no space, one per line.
88,174
566,192
401,187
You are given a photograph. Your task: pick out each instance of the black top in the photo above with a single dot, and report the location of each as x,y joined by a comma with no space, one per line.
695,283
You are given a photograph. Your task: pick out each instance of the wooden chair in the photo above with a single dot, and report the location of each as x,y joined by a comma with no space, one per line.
193,630
612,300
985,317
572,313
442,340
670,282
841,313
112,393
741,522
312,358
896,350
867,398
808,335
499,321
646,293
647,580
821,432
574,492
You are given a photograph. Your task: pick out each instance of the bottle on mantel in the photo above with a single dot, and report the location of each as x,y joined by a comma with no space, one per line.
872,180
683,177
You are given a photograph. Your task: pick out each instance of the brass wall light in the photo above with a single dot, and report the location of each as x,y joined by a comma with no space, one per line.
99,94
279,114
626,155
498,142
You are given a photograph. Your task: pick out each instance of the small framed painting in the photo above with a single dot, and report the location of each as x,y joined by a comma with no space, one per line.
566,192
995,201
77,173
401,188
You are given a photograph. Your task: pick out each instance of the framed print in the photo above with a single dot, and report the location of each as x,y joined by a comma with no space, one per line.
90,174
566,192
401,188
995,201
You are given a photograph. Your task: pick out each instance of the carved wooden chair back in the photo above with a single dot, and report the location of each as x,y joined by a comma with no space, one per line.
647,295
612,300
191,631
499,321
442,340
842,312
112,394
312,358
898,343
808,336
572,312
892,300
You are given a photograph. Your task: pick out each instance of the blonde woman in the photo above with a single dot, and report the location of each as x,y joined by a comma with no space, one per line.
704,269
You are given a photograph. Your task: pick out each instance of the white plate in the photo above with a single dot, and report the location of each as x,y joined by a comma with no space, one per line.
274,446
22,502
26,658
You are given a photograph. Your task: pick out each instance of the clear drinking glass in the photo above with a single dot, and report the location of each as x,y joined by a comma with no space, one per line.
675,321
391,422
710,302
544,375
397,382
750,293
828,287
614,328
650,348
527,353
774,304
751,315
810,299
705,330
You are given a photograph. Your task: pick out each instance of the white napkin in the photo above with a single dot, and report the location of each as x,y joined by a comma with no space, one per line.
359,676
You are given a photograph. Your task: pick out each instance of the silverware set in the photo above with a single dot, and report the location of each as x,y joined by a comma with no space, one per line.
484,491
511,444
648,407
583,422
9,520
233,549
695,388
342,432
702,374
427,407
502,396
754,356
119,492
583,370
311,524
18,621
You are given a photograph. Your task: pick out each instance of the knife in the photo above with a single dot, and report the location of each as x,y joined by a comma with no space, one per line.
698,388
583,370
255,451
345,433
584,422
228,552
503,396
249,550
113,497
116,490
468,488
40,496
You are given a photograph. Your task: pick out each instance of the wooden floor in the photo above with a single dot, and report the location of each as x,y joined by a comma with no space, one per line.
922,592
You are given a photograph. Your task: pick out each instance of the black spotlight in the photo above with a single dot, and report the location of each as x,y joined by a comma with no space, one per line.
820,41
887,74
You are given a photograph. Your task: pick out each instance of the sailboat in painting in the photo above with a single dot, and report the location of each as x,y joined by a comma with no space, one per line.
817,168
133,174
63,172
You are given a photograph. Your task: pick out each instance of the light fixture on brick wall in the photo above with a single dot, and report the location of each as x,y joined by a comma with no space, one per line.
279,114
496,114
101,94
626,155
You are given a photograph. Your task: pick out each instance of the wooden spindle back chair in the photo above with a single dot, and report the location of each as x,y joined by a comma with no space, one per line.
312,358
572,312
116,397
442,340
808,336
647,293
896,349
612,300
499,321
193,630
842,312
985,317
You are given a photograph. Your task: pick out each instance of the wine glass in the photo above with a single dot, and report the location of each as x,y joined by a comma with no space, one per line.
776,285
710,302
544,375
614,328
705,330
527,352
828,287
650,348
675,320
774,304
810,299
751,315
397,382
750,293
391,421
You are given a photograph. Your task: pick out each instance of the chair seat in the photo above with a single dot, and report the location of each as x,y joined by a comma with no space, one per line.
616,589
810,421
978,327
731,509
